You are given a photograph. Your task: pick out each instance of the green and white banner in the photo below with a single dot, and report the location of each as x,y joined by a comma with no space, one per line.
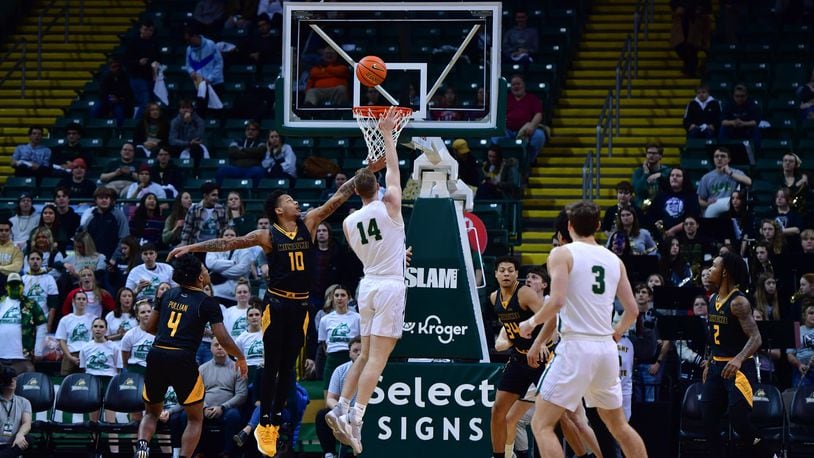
431,410
442,319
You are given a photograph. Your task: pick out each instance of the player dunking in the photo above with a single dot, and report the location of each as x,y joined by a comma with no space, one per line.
178,320
730,372
376,234
585,278
289,246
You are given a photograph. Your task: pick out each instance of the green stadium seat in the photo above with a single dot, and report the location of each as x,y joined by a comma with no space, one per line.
332,147
16,185
241,185
309,188
193,185
267,185
302,146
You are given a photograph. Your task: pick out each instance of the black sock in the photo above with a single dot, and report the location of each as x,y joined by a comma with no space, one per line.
264,420
498,455
276,419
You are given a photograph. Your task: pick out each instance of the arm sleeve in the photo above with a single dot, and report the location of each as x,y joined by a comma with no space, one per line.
82,360
39,343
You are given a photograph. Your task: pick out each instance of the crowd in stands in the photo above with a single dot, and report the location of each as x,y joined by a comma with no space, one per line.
80,271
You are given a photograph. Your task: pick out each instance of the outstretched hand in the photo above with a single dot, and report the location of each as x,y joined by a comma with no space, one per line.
388,122
177,252
378,164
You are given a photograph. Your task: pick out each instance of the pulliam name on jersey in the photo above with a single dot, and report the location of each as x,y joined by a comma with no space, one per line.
177,306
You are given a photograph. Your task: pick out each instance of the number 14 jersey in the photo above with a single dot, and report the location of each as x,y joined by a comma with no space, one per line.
377,239
591,290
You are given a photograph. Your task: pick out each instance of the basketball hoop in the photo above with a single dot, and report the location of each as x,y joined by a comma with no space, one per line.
368,120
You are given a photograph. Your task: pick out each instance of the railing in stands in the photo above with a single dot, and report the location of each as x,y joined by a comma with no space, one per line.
19,64
609,123
53,15
590,188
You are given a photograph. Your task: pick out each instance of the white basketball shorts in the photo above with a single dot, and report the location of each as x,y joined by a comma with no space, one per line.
381,306
583,368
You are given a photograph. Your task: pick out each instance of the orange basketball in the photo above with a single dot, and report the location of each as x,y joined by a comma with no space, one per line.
371,71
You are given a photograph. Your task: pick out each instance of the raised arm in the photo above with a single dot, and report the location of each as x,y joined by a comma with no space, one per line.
321,213
260,237
743,311
392,176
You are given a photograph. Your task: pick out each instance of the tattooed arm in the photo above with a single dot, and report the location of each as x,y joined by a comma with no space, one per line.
321,213
259,238
743,311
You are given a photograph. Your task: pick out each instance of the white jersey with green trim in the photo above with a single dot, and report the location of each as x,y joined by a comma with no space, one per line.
377,239
595,274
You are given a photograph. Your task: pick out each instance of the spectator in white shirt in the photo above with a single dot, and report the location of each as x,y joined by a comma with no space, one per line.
73,332
41,287
137,342
145,278
227,267
100,358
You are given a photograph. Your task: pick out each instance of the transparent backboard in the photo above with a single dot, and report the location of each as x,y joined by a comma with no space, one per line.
443,61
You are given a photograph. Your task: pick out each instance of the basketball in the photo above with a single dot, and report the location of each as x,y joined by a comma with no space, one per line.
371,71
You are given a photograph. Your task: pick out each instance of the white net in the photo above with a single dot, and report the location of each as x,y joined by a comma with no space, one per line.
368,120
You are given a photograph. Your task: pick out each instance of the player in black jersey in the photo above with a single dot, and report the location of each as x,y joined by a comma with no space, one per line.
178,320
513,304
729,373
289,246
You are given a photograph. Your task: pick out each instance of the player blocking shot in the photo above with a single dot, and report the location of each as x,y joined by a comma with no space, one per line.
288,246
585,279
376,234
178,320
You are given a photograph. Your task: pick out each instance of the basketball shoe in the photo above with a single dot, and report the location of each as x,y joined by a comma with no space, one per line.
352,429
332,419
142,449
266,436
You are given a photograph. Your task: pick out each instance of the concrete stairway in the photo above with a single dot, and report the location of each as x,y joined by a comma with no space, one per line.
66,67
652,113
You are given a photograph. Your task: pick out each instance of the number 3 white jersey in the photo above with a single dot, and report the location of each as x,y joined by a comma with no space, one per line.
377,240
591,290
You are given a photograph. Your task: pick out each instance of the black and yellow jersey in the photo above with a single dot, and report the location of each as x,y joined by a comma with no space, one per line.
726,335
183,314
511,315
290,261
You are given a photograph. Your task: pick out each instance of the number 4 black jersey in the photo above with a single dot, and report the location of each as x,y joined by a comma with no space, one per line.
183,314
290,261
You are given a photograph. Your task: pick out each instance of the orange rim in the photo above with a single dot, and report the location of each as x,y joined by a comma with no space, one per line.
379,111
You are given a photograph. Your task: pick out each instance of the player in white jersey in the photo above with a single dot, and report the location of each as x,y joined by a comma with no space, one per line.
585,278
376,234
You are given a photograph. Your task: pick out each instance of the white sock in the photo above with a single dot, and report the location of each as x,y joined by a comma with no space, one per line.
345,403
508,449
360,411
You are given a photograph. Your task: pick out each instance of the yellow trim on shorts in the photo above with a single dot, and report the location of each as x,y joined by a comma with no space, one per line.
265,319
743,385
725,358
288,294
305,324
197,393
166,348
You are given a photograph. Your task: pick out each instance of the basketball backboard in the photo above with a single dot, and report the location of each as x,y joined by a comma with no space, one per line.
431,50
